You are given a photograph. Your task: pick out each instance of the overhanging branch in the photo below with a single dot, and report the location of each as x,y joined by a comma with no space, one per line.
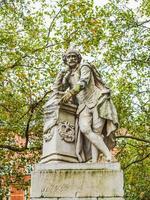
18,149
52,23
136,161
133,138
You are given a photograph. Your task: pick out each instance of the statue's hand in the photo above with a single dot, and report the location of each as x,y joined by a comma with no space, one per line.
66,97
64,70
106,91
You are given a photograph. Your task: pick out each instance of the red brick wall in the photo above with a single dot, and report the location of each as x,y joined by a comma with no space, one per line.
16,194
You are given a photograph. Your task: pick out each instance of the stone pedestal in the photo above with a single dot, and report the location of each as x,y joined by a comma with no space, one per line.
77,181
59,131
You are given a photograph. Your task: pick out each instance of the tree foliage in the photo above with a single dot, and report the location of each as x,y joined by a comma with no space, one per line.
116,38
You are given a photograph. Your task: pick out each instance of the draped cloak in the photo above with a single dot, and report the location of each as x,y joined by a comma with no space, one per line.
106,110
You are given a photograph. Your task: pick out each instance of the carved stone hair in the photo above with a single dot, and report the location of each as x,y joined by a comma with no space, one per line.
64,57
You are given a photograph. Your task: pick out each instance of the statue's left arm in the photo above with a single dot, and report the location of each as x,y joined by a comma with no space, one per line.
85,75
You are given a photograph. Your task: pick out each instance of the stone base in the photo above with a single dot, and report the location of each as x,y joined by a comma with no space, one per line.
77,181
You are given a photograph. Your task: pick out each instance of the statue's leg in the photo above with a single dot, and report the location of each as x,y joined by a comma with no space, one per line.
85,124
97,127
95,153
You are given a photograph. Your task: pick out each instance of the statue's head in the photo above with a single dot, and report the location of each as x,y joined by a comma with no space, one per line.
72,57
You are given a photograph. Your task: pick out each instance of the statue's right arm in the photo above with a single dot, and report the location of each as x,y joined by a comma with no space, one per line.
58,81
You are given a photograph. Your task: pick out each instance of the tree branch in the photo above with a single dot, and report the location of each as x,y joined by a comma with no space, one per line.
133,138
31,110
16,63
138,146
136,161
27,128
134,60
18,149
52,22
35,104
144,22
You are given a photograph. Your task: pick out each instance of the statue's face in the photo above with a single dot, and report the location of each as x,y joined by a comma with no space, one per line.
72,60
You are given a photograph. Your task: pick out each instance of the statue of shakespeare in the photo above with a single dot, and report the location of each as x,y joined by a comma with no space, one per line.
97,117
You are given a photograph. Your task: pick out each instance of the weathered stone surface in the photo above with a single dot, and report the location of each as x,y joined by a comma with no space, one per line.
59,133
84,166
76,183
44,199
91,198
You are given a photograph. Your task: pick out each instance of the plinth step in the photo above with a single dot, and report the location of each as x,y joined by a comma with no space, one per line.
62,181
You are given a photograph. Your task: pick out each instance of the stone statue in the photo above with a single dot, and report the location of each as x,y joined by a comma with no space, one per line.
79,124
96,116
